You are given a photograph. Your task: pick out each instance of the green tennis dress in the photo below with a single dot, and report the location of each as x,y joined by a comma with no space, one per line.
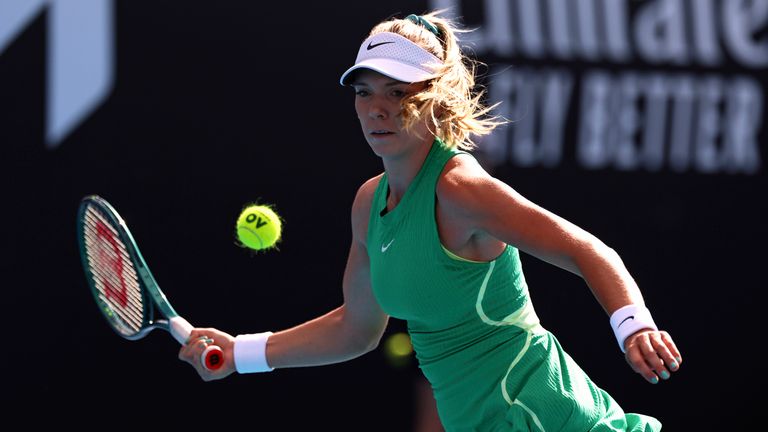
477,338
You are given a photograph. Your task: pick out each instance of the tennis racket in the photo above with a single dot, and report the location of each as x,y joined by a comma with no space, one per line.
121,283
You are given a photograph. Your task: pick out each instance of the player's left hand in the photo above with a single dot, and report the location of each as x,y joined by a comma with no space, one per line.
199,340
652,354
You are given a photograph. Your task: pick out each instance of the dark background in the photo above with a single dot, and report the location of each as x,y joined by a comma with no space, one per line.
219,104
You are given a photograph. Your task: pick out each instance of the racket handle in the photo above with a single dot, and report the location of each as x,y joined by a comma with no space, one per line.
212,358
180,329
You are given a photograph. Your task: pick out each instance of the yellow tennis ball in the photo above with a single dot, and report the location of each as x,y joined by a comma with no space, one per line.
258,227
398,349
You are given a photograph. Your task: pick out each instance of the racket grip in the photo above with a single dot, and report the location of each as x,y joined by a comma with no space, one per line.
212,358
180,329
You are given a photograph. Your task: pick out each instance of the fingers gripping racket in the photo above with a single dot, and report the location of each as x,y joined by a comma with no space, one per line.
125,290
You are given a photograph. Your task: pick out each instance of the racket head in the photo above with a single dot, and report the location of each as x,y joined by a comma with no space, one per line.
116,272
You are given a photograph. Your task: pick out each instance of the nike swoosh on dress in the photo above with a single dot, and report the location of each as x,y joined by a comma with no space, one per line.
384,248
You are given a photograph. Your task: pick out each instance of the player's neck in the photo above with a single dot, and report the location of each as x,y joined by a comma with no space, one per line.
402,169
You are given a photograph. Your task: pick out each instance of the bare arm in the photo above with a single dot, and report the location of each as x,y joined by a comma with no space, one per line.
489,207
350,330
555,240
344,333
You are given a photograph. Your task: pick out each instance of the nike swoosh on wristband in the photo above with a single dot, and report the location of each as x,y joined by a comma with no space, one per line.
625,320
372,45
384,248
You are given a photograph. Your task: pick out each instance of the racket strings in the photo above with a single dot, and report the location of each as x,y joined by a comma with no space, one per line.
114,275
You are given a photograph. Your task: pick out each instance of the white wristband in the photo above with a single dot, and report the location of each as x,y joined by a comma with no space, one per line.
629,319
251,353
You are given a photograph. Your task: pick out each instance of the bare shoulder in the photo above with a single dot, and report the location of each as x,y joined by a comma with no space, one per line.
462,182
361,207
364,196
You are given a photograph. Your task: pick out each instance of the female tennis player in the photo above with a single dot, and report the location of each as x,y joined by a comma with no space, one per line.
436,242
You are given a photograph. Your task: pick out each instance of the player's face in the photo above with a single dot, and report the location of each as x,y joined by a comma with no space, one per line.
378,106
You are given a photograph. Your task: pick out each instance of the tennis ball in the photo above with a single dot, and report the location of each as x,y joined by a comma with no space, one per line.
398,349
258,227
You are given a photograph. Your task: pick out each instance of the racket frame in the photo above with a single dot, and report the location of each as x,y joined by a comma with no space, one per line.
151,295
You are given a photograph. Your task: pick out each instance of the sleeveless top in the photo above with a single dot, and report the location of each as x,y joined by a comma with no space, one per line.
476,336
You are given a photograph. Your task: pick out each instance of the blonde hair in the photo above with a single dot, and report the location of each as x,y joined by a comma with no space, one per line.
451,101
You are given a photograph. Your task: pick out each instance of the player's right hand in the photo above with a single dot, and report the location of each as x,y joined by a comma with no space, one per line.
199,340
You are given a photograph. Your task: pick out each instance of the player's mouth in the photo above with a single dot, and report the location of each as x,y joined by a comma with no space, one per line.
381,132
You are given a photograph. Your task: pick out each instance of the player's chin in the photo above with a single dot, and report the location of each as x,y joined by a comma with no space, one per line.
382,144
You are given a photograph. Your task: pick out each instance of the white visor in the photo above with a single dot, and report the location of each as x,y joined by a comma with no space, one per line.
396,57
